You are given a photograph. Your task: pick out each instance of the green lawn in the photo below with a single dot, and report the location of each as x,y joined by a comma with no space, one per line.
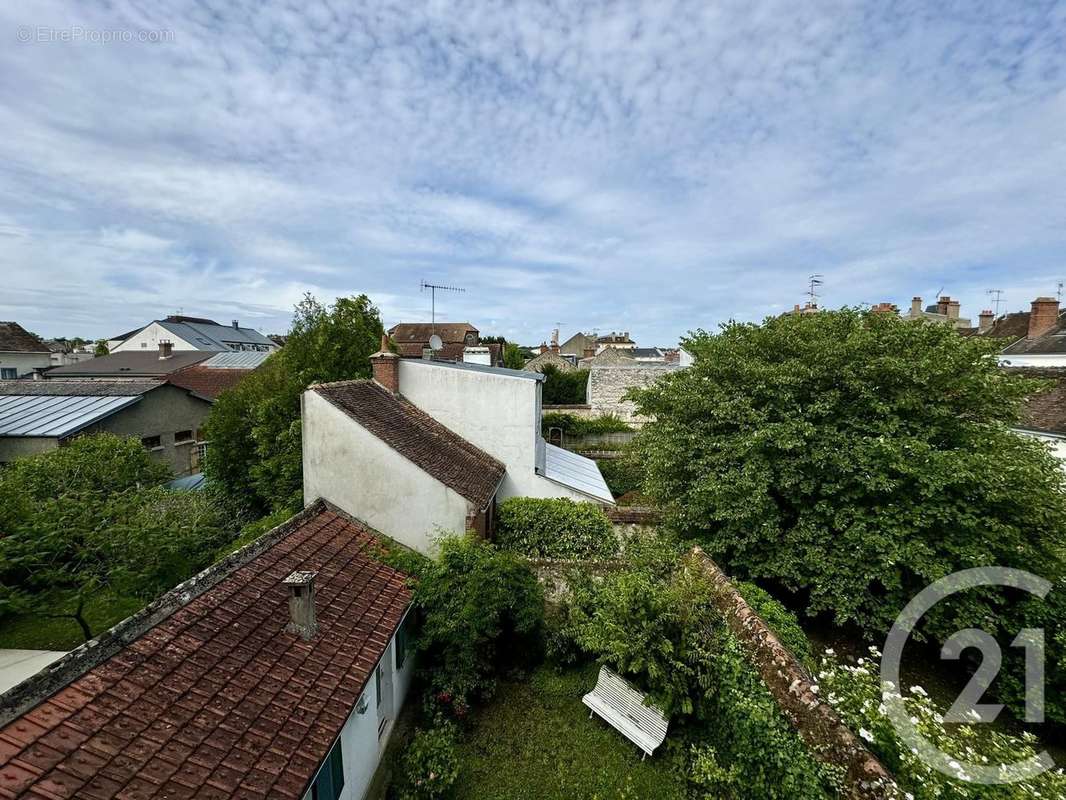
535,741
33,632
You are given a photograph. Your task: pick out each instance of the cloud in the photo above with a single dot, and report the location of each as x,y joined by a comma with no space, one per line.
645,166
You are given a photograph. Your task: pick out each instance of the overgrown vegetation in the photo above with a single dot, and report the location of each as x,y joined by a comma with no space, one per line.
853,459
555,528
622,475
855,690
573,425
254,428
89,521
655,623
564,388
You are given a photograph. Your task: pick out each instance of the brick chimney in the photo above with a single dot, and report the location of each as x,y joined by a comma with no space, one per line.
386,366
1043,316
588,352
985,320
942,305
166,349
302,604
953,309
916,306
543,348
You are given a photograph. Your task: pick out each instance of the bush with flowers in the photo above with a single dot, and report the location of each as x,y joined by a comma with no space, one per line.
855,691
429,766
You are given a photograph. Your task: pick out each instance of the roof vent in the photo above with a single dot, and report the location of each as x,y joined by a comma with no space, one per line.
235,325
302,604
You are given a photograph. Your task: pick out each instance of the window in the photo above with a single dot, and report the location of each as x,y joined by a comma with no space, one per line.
330,780
201,450
377,684
144,345
8,374
152,442
182,437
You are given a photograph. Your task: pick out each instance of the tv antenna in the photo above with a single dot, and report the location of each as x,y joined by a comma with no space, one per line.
1058,294
997,297
813,282
433,288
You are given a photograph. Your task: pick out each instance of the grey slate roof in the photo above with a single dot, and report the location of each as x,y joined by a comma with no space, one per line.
208,335
133,364
26,388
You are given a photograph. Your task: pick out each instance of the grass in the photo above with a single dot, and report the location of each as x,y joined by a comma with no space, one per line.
535,741
37,632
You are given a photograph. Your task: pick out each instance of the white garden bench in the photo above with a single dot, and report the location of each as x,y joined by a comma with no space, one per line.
624,709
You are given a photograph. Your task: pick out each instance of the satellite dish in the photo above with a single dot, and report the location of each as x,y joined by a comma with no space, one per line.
435,342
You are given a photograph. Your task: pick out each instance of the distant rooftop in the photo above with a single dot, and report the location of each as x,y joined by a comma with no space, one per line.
16,339
134,364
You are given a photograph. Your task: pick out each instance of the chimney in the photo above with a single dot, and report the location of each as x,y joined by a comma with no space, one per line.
942,305
953,309
386,366
588,352
235,325
543,347
984,321
302,604
916,306
1043,316
166,349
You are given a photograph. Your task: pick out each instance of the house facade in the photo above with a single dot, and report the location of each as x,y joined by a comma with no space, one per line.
21,353
192,333
38,416
278,673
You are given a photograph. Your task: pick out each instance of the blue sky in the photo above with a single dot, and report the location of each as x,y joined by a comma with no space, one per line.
653,167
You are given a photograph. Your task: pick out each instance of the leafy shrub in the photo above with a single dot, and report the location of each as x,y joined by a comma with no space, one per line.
661,628
856,693
429,766
564,388
573,425
623,475
555,528
854,459
482,612
781,621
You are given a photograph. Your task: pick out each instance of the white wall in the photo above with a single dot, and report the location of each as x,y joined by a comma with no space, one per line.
150,337
353,469
25,363
1038,360
499,413
361,747
1057,444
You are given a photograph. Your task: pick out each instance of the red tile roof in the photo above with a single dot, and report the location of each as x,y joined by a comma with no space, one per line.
419,332
208,382
452,351
418,437
216,699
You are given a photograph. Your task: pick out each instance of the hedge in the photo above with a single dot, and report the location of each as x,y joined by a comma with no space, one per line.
573,425
555,528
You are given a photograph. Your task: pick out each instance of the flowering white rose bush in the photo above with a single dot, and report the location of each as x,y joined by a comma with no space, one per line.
855,691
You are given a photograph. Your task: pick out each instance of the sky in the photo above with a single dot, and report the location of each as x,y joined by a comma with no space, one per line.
653,167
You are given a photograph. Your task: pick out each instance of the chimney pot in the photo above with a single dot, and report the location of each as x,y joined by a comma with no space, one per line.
302,603
1043,316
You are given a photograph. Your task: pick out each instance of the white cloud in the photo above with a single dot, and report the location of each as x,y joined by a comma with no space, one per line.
646,166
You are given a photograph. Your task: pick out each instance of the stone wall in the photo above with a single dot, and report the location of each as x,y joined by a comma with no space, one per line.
609,383
826,735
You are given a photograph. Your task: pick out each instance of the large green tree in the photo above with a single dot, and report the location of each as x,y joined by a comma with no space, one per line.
254,429
853,458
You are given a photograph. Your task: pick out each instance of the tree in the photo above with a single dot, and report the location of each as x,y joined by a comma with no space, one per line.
91,517
853,459
564,388
254,429
101,348
512,356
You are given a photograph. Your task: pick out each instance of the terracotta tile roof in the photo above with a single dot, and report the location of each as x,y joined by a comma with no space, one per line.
16,339
419,438
207,381
1046,410
419,332
216,699
451,351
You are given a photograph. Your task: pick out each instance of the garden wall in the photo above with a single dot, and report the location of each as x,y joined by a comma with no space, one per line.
826,735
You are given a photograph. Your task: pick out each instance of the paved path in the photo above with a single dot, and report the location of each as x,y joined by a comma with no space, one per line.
17,665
